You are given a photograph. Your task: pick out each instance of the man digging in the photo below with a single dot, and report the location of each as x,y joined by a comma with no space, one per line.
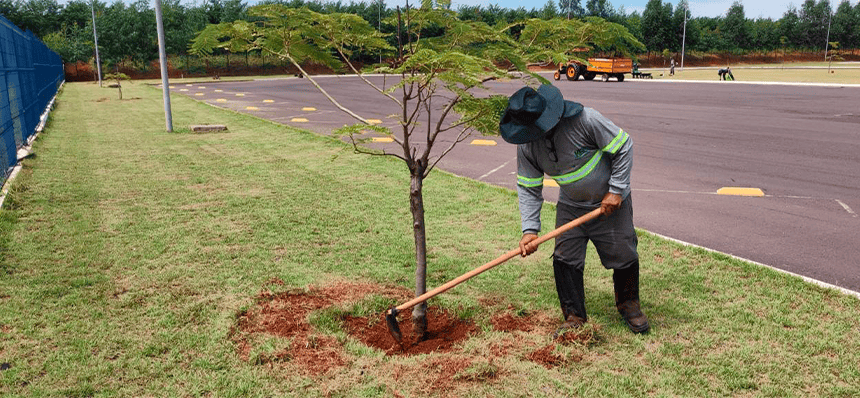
590,158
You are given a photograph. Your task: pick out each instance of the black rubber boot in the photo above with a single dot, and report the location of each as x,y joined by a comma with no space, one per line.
569,283
626,283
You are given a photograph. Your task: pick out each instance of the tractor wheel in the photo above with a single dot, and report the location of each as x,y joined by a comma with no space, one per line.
557,75
589,75
620,77
573,72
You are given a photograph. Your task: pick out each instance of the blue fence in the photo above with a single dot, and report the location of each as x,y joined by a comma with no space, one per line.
30,75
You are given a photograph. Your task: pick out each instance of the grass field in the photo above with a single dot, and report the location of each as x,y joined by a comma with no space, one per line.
842,73
128,255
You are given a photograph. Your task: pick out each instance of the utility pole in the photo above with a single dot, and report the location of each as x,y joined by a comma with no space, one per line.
162,56
684,37
827,41
96,42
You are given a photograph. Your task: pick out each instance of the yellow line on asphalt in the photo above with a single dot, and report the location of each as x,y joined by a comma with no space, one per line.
219,91
269,101
374,121
484,142
299,120
383,139
309,109
199,94
221,100
739,191
183,89
240,95
252,108
201,87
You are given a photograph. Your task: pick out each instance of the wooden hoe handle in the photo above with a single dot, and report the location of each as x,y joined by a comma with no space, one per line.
505,257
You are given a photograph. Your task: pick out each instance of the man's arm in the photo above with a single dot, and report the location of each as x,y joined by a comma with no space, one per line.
530,194
616,144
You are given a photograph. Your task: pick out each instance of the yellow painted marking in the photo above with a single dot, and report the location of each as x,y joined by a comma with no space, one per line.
219,91
738,191
240,95
171,86
484,142
383,139
189,85
183,89
374,121
199,94
548,182
309,109
221,100
299,120
269,101
252,108
201,87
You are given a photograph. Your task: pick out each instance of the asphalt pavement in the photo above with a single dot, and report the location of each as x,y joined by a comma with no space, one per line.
798,144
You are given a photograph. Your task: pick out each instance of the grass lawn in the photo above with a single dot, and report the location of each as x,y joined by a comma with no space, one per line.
129,255
842,73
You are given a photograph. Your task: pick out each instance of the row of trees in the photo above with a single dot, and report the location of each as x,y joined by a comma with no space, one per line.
809,27
127,30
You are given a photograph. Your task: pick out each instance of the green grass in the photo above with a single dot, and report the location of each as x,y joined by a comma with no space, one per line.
126,254
843,73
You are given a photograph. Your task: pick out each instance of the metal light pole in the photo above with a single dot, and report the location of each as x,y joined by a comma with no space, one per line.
684,37
162,56
827,41
96,42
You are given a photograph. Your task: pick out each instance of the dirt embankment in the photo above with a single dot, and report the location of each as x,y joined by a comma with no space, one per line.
238,66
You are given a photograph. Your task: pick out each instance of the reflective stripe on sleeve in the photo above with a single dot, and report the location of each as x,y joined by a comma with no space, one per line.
580,173
529,182
617,142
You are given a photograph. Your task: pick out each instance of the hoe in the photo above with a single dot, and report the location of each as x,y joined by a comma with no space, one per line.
391,314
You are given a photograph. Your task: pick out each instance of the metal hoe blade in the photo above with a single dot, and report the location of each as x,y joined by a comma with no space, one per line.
393,327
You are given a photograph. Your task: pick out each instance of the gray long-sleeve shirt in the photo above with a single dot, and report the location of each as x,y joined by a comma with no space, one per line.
592,157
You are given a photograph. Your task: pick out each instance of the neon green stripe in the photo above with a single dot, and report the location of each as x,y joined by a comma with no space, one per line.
529,182
579,174
617,142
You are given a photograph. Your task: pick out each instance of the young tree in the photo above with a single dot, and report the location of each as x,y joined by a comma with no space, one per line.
441,78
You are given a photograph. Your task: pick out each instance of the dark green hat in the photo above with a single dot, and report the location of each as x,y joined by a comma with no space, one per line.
531,113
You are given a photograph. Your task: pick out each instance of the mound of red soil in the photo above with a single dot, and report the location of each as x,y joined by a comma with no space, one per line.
444,332
510,323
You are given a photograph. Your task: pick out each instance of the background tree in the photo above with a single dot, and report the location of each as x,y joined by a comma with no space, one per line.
846,23
734,27
570,8
657,29
814,18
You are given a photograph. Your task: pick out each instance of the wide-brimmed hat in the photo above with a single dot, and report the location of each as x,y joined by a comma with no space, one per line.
531,113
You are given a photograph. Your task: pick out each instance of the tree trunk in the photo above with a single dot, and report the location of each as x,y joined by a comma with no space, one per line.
416,204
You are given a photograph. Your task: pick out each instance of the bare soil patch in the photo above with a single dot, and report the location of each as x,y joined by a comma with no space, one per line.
444,332
284,315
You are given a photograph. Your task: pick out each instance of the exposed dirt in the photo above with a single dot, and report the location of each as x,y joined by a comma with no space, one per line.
444,332
284,316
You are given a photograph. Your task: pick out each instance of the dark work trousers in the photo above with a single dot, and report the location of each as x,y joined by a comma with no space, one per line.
614,238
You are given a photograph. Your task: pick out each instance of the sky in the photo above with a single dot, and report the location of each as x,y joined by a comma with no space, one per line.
773,9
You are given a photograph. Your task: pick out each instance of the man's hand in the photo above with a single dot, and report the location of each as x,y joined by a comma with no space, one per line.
527,246
610,203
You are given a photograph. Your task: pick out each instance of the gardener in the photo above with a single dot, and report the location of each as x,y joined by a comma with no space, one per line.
590,159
